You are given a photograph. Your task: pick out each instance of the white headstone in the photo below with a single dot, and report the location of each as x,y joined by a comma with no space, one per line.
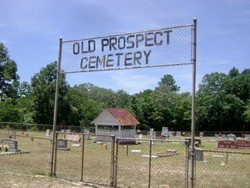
178,133
231,137
47,132
164,131
152,134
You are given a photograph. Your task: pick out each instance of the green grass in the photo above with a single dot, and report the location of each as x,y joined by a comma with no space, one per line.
132,166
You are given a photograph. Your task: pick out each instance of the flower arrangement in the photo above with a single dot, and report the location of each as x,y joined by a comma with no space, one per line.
4,147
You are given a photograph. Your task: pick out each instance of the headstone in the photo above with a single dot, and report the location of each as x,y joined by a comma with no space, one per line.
201,134
199,154
47,133
67,130
140,136
178,133
227,144
247,137
11,143
231,137
243,143
62,144
152,134
13,135
86,134
216,135
73,137
170,133
164,131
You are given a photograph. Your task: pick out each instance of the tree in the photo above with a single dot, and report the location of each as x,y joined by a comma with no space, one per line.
142,107
8,76
247,112
44,85
122,99
9,113
169,81
219,106
83,109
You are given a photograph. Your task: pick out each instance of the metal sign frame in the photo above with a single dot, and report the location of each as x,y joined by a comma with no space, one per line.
107,66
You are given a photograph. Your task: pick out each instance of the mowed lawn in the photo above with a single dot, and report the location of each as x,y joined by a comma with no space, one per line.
169,163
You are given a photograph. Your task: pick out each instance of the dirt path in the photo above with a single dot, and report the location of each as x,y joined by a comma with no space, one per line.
16,180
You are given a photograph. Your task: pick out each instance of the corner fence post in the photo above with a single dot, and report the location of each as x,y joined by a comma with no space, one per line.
53,148
194,29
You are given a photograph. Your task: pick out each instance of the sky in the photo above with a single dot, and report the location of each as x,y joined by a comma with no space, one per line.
31,29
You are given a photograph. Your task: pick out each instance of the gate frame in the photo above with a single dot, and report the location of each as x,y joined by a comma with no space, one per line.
193,62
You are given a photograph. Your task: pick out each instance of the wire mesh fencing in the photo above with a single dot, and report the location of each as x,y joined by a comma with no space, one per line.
80,158
223,168
152,163
26,152
121,162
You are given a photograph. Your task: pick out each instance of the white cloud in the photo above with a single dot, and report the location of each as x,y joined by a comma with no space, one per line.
133,83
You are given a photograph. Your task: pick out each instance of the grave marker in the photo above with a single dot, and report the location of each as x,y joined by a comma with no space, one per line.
11,143
227,144
47,132
231,137
178,133
243,143
164,131
73,137
62,144
13,135
86,134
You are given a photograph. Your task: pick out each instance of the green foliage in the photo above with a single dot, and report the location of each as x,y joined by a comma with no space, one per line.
8,76
142,107
169,81
221,99
43,86
9,112
247,112
83,109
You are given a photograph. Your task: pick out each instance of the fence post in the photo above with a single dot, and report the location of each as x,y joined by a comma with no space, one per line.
187,164
149,169
83,143
55,158
112,168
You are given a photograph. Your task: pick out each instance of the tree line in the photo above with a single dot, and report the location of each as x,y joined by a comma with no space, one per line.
222,100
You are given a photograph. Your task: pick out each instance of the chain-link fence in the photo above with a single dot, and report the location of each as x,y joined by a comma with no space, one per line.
42,127
223,168
146,163
152,163
26,152
117,163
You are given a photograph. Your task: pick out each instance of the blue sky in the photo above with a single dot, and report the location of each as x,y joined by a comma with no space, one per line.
31,30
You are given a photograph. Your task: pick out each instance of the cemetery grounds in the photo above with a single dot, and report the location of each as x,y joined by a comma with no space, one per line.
168,164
